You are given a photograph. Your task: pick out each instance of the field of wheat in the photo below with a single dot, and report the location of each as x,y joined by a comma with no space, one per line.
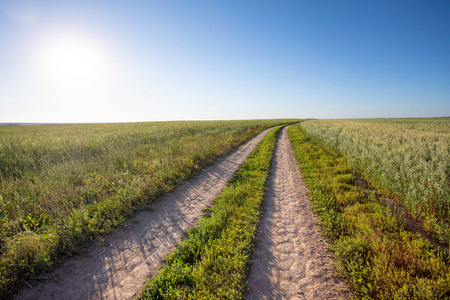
408,159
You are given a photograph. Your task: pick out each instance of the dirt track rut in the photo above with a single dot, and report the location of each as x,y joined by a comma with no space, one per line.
119,269
291,259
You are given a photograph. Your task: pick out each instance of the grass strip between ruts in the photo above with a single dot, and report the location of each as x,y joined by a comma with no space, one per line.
373,252
213,262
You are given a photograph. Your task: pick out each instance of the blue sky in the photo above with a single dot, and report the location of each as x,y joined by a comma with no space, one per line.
125,61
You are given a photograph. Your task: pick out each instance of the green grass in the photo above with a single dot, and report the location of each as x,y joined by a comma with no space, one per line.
63,185
212,263
406,159
373,252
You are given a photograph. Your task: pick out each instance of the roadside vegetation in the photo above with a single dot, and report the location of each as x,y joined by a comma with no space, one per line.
63,185
212,263
408,160
373,252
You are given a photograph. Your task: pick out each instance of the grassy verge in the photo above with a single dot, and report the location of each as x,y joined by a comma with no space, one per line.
378,258
212,263
61,186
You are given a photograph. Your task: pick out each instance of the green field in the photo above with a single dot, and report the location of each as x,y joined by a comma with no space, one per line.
63,185
406,159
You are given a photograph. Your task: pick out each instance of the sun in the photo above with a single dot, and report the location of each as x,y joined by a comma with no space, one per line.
75,75
73,60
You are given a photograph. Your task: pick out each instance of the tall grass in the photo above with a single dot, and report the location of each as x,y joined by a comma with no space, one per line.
408,159
61,186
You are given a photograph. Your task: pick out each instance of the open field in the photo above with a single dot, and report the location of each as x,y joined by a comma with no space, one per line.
63,185
406,159
373,252
119,267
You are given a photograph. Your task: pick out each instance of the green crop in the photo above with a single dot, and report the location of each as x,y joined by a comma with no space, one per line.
406,159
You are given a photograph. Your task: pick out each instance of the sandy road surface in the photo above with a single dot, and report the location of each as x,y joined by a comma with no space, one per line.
132,253
290,260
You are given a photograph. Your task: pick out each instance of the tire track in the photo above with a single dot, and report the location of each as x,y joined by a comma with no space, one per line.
291,260
135,252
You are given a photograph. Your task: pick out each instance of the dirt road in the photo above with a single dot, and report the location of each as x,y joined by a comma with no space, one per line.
133,253
290,260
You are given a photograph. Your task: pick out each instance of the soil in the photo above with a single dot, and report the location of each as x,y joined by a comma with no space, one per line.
410,223
291,260
119,267
414,226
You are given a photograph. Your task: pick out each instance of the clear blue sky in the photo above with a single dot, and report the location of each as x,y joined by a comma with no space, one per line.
121,61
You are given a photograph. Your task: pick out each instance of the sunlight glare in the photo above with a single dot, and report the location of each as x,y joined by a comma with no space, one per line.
76,75
73,60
